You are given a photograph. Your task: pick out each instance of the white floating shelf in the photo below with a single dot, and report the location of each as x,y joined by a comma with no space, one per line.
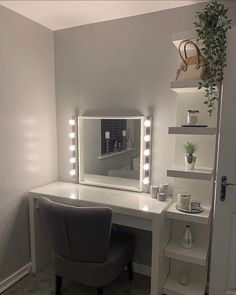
172,286
198,173
113,154
186,86
197,255
190,35
202,218
192,130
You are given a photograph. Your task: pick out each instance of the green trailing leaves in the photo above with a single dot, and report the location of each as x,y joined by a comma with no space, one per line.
211,25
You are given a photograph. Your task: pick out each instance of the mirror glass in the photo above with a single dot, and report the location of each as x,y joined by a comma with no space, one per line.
109,152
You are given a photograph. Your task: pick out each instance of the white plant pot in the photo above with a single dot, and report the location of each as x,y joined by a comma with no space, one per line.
190,162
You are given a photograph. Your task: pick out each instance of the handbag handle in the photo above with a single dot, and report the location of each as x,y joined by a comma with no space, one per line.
188,42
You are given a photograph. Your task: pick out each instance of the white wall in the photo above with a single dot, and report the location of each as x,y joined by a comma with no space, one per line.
122,67
28,150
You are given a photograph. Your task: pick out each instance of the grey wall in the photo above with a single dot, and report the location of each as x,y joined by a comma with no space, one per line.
27,130
121,66
118,66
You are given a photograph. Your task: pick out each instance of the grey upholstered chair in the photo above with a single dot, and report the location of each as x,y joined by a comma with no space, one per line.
84,247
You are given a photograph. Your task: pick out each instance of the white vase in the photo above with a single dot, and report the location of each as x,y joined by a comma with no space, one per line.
187,239
190,162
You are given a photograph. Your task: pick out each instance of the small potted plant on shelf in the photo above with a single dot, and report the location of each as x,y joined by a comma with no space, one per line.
190,159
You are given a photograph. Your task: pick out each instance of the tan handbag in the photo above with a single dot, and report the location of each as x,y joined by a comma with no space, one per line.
192,68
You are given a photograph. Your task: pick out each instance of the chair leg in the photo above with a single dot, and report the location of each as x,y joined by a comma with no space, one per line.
100,291
130,271
58,284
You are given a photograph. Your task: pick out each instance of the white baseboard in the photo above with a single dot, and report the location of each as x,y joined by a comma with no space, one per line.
11,280
142,269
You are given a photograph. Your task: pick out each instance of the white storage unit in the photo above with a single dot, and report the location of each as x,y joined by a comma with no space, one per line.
199,183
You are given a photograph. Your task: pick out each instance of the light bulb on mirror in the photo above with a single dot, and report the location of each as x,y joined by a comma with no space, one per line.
72,148
72,122
146,153
72,160
72,135
147,138
72,172
147,123
146,180
146,167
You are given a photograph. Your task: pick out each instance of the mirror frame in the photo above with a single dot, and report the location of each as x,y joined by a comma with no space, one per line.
144,181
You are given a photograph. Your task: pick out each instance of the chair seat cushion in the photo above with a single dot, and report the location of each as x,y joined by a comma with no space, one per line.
98,274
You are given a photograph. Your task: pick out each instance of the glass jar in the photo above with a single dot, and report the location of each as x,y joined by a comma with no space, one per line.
192,118
183,201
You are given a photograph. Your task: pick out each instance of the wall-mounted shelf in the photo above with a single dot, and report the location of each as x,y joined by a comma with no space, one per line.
193,260
196,286
190,35
198,173
186,86
202,218
192,130
196,255
113,154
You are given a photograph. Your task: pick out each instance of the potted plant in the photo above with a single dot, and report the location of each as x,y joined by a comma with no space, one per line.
190,159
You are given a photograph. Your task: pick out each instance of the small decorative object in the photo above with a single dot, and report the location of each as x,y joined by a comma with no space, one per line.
164,188
184,277
192,68
115,148
119,146
187,239
107,137
190,159
162,197
192,118
195,205
211,26
183,201
154,191
124,143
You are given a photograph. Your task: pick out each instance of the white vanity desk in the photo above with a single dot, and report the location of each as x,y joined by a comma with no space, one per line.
131,209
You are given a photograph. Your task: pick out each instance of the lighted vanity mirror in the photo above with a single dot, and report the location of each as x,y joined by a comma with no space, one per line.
111,152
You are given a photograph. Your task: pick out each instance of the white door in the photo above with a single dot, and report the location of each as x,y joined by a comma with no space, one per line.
223,256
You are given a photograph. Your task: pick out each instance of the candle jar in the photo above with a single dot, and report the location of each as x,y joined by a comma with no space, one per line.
107,138
192,117
154,191
183,201
162,197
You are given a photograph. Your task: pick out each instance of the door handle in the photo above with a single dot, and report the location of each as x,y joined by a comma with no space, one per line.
224,184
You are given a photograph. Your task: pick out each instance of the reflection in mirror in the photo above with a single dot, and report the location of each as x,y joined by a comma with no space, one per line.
110,152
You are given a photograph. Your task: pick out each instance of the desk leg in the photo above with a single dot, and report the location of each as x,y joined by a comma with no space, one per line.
40,249
32,235
155,257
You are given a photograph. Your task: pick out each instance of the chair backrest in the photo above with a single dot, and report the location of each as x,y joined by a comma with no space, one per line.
77,233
